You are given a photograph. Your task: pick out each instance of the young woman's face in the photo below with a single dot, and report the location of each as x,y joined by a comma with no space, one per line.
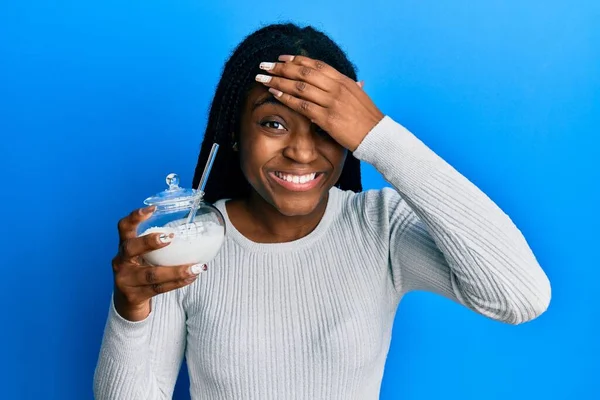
289,161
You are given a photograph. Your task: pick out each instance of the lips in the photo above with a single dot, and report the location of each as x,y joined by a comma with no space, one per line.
297,182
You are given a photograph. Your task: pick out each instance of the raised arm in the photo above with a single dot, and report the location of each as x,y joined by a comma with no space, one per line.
446,236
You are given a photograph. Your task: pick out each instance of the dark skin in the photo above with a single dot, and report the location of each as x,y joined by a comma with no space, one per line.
276,138
136,282
304,99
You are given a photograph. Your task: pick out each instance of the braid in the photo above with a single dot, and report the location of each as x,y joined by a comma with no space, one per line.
227,179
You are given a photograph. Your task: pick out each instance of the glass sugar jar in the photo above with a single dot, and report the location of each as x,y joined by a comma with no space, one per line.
197,242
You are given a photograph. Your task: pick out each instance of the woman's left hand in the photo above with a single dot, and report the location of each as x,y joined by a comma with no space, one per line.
328,98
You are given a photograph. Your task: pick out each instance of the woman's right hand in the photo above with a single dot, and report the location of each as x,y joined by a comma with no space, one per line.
135,281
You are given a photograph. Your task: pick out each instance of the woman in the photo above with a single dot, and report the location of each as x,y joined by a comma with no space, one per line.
300,301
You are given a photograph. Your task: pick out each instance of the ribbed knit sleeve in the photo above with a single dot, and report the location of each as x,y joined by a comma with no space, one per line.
141,360
446,236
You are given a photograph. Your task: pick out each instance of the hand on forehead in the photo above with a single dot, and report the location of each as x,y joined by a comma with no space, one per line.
322,94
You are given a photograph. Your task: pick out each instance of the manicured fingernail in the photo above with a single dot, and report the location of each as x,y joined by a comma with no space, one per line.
197,268
267,66
263,78
275,92
205,268
148,210
164,238
286,58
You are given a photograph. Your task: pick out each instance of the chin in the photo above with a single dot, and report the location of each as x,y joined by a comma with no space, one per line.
297,207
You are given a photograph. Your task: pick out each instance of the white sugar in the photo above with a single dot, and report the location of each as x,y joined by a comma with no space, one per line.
196,243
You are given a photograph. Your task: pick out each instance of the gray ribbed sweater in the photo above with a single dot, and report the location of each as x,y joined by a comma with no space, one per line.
312,319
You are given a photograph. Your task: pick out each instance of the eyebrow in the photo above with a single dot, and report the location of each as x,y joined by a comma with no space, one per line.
266,100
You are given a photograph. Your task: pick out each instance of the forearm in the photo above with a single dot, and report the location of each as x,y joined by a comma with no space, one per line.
131,349
492,268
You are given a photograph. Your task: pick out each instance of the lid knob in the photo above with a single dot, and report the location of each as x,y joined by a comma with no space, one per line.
173,195
173,181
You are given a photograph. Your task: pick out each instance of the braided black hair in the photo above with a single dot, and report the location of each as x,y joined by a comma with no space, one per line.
266,44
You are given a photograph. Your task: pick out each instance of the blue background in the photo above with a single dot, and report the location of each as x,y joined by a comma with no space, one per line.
99,100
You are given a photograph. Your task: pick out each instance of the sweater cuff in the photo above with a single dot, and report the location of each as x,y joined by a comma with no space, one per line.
127,342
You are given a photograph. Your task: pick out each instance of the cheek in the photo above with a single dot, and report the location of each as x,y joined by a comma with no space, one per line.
254,154
337,158
336,155
247,162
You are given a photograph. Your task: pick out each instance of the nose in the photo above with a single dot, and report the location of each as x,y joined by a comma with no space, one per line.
302,145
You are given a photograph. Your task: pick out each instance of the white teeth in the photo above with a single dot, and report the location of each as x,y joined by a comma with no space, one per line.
296,178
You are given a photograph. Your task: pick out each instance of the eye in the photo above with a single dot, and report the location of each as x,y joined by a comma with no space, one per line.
319,131
273,125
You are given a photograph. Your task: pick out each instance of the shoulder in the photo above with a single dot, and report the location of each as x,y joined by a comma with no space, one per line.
376,207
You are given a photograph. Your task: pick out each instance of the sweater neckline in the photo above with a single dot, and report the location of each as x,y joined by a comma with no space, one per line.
303,242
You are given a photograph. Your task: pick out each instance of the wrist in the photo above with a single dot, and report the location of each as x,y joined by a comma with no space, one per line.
356,141
131,312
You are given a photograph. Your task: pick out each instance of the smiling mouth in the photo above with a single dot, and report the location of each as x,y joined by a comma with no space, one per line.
297,183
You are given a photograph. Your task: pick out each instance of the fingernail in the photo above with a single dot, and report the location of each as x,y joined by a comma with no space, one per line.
197,268
286,58
361,84
148,210
275,92
267,66
164,238
263,78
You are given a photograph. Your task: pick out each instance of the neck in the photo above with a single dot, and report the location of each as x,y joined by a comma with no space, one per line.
260,222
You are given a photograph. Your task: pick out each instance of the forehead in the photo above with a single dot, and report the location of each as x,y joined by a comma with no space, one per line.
259,96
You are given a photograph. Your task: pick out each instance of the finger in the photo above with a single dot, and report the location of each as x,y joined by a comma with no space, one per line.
138,246
128,226
299,89
148,276
322,67
158,288
318,65
315,72
302,73
312,111
121,263
326,70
